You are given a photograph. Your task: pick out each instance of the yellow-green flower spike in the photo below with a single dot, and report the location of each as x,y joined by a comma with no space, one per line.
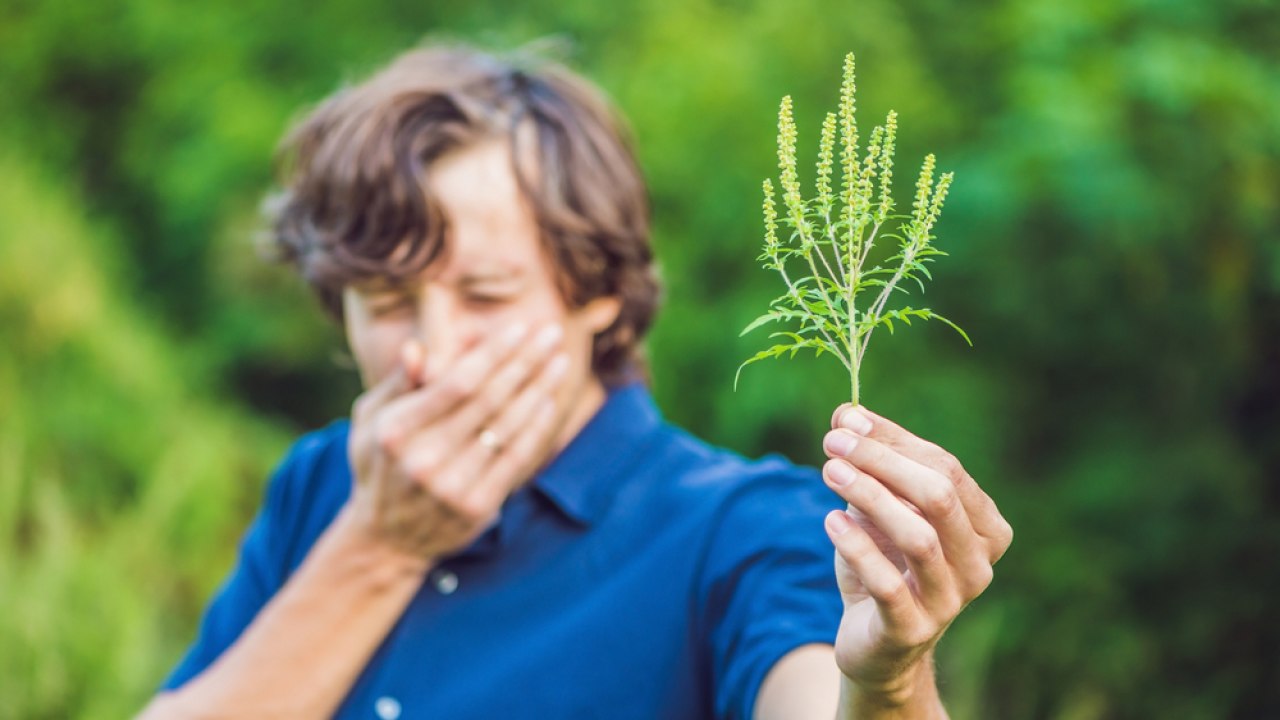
787,160
867,178
825,148
849,132
770,220
886,167
923,186
837,291
935,205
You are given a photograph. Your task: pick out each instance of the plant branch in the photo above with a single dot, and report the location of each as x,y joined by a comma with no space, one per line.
829,318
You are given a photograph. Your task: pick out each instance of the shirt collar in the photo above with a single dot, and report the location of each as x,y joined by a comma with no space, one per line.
581,479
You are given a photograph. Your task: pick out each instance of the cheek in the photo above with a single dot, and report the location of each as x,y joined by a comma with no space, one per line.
377,347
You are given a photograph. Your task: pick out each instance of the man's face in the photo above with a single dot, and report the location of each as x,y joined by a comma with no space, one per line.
493,273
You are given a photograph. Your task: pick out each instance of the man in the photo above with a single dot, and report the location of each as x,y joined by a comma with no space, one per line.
506,527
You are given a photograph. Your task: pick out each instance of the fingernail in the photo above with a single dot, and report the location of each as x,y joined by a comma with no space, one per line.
547,337
854,420
514,334
840,442
838,522
839,473
557,367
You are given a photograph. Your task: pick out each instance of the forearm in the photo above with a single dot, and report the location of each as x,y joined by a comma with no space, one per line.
307,646
916,699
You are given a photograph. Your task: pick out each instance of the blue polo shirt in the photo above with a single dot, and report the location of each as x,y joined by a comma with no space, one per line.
641,574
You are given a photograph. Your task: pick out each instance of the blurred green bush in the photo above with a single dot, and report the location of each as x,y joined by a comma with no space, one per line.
1113,247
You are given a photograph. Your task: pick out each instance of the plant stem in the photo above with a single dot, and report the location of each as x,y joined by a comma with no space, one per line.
852,277
878,306
817,322
853,386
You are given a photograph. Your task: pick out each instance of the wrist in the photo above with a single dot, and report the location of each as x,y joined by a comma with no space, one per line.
912,693
381,563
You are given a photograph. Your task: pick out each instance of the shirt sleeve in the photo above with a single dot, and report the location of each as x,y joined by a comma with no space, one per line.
771,582
259,572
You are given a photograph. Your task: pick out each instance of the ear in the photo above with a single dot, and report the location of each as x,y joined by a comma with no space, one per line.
600,313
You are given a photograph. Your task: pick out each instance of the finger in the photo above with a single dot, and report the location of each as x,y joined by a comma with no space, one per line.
434,445
981,509
464,470
366,407
474,415
413,359
838,414
526,430
406,415
883,581
517,415
910,533
469,486
934,495
397,382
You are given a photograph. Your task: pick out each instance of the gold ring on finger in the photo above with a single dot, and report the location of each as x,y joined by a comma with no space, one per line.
490,440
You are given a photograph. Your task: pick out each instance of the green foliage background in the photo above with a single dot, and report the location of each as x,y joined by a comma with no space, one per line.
1113,256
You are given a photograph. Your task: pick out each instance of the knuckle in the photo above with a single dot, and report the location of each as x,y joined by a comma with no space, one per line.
923,546
518,454
868,494
873,453
457,388
983,575
473,509
950,465
941,500
897,591
861,549
422,467
1006,533
952,607
448,497
389,437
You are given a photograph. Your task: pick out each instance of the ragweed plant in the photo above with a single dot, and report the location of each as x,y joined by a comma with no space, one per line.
826,241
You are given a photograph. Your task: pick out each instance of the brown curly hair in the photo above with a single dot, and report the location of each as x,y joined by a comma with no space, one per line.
354,205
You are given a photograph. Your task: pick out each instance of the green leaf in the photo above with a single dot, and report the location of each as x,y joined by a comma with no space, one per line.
797,339
819,306
963,334
912,276
762,320
771,352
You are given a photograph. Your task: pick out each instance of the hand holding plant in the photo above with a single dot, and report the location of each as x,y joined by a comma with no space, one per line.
831,241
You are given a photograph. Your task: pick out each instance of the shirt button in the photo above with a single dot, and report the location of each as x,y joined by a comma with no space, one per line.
388,708
445,581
